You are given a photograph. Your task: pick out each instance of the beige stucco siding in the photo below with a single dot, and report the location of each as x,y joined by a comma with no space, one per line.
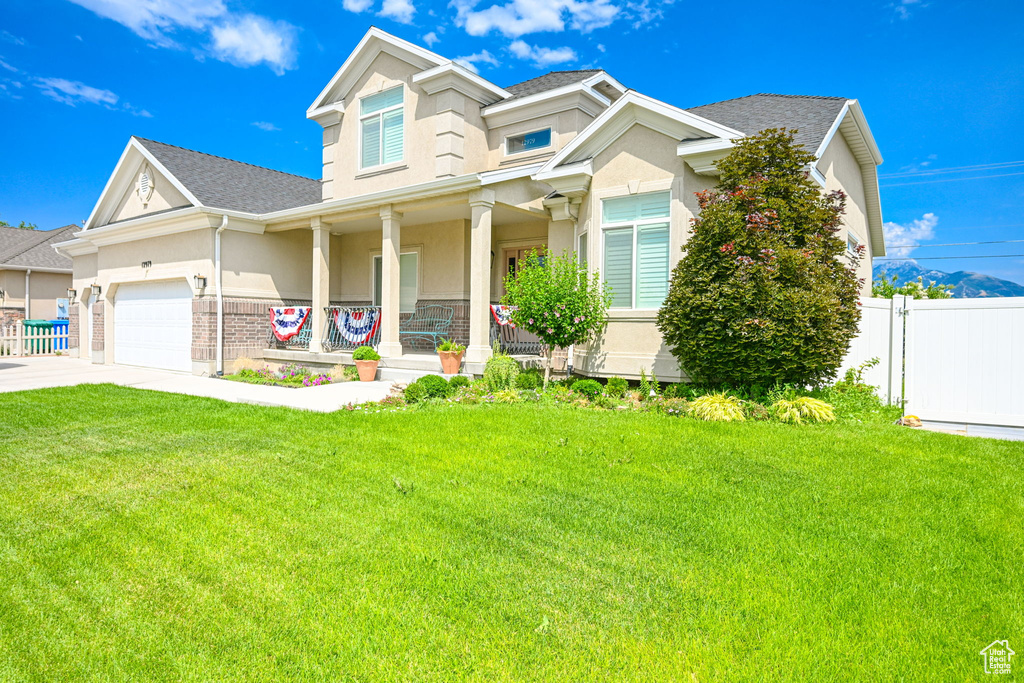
843,172
44,290
277,265
564,127
164,196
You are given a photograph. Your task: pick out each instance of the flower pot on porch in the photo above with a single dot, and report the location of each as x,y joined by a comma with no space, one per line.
450,361
367,370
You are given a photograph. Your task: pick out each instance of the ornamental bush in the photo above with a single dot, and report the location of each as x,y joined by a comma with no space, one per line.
555,298
616,387
590,388
500,372
528,379
765,293
717,408
365,353
435,386
458,381
414,393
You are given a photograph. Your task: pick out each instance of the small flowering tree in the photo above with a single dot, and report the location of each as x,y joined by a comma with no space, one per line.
765,292
556,299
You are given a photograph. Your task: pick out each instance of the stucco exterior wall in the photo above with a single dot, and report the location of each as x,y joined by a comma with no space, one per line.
564,127
44,290
275,265
842,172
164,196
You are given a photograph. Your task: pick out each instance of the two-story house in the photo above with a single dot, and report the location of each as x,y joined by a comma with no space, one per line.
435,182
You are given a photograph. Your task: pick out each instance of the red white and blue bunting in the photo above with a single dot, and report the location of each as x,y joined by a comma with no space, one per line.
286,322
357,327
502,314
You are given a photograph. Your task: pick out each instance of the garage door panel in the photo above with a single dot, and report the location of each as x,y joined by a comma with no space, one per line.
153,325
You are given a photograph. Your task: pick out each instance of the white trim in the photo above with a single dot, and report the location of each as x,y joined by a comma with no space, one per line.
630,109
514,173
379,114
634,226
547,103
33,269
372,44
456,77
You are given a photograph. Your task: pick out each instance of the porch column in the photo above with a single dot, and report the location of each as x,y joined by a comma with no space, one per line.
321,283
481,202
391,282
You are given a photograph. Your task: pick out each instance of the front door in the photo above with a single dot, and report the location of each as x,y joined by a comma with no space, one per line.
513,257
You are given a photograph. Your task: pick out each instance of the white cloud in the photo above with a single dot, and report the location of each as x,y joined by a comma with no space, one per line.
250,39
240,39
401,11
483,57
521,17
356,5
9,37
73,93
265,125
5,65
910,234
902,7
542,56
430,39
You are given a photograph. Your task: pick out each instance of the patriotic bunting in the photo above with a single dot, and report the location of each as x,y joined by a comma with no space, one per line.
357,327
502,314
286,322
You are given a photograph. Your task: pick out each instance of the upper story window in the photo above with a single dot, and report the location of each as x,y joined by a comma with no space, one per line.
636,238
852,243
381,128
527,142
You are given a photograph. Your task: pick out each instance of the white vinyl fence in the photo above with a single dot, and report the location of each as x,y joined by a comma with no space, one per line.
959,361
18,340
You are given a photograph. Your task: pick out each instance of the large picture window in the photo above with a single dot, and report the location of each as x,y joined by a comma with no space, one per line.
636,239
381,128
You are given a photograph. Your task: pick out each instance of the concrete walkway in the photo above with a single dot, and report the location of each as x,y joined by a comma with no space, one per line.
20,374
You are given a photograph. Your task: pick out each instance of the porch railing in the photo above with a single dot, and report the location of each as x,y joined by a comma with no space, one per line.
515,341
348,327
299,341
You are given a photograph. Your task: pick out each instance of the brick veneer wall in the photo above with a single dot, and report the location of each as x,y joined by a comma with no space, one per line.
246,327
73,327
11,315
97,326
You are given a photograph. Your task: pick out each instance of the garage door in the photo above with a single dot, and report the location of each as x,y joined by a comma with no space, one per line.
153,325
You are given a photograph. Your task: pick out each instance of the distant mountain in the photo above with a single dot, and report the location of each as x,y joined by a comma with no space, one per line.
966,285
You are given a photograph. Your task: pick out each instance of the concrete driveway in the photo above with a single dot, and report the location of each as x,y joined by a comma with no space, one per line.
20,374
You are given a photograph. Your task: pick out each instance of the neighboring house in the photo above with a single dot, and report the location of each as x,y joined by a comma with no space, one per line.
435,182
28,263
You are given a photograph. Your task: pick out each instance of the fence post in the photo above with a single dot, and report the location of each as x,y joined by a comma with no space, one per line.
20,341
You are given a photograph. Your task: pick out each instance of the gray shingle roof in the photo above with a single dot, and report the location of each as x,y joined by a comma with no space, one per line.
812,116
221,183
549,81
37,251
12,237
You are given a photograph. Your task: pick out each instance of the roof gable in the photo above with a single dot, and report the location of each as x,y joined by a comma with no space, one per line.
36,250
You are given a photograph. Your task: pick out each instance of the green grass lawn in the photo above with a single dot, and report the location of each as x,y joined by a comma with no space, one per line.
147,535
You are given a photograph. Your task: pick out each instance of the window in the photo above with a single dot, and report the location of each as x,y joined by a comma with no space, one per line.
852,243
636,238
380,126
581,250
408,266
526,142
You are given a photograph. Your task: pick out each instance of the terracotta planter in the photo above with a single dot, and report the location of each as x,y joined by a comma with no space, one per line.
367,370
450,361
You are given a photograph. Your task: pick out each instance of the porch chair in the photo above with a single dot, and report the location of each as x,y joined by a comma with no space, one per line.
427,323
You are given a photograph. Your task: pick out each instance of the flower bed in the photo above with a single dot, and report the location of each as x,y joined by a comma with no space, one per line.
292,375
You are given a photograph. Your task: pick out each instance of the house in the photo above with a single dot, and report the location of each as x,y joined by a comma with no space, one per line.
29,264
435,182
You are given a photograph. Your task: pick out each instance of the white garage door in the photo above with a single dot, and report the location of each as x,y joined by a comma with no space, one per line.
153,325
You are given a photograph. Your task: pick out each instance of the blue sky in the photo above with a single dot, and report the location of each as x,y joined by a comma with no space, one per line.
941,83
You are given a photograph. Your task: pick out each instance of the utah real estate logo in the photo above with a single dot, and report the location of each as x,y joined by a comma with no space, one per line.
997,657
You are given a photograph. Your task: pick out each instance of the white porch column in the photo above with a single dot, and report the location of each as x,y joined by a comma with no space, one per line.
321,282
479,349
391,282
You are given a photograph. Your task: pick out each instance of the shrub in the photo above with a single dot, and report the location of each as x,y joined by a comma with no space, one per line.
590,388
435,386
717,408
458,381
528,379
246,363
414,393
365,353
755,411
764,292
802,408
500,371
506,396
616,387
344,373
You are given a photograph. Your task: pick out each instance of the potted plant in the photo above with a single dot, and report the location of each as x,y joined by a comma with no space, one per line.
366,362
451,356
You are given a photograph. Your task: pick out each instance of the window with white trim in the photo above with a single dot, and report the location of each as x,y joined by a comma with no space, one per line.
636,245
408,276
381,129
581,249
527,142
852,243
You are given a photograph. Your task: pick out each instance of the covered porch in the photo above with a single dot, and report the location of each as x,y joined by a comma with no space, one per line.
403,276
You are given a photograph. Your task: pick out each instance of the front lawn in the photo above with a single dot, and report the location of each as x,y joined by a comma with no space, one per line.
147,535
